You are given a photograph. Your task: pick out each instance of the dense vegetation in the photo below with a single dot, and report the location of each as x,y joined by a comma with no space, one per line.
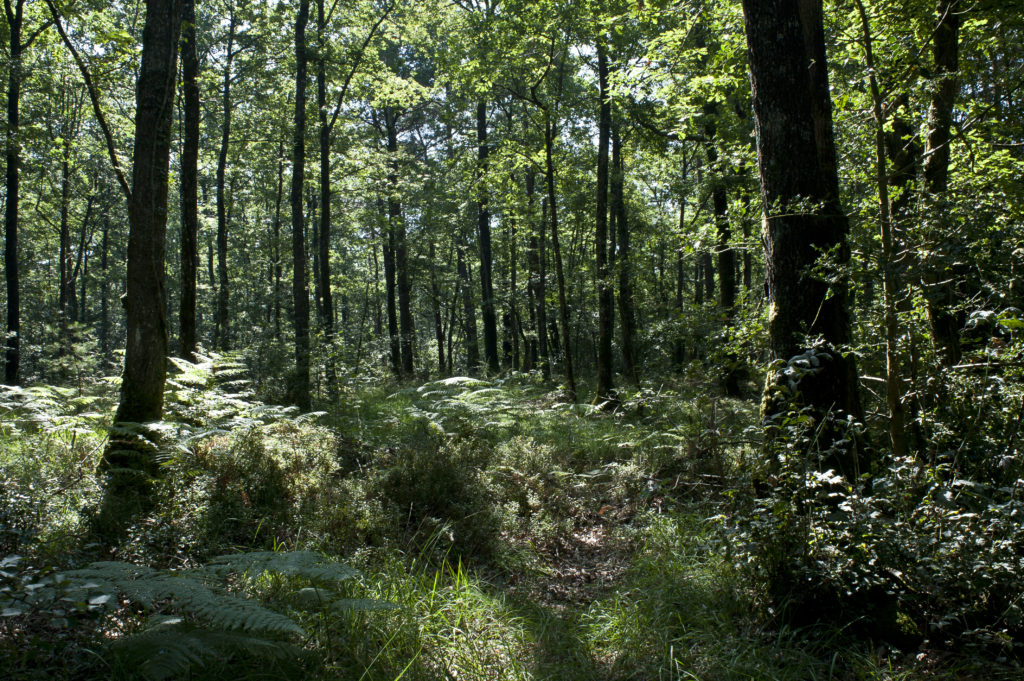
512,339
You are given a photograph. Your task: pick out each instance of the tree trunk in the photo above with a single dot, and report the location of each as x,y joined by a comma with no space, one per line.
389,288
469,314
605,294
890,283
563,308
189,183
435,299
541,294
530,355
938,289
81,264
104,332
484,233
300,289
802,220
627,310
66,257
221,320
145,362
13,157
278,264
326,297
509,337
401,249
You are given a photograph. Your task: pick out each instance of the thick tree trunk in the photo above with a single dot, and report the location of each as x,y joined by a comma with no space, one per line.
221,317
802,219
12,352
938,289
605,294
300,289
189,183
484,233
145,363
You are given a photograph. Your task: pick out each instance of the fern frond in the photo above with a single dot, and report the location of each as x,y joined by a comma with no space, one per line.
307,564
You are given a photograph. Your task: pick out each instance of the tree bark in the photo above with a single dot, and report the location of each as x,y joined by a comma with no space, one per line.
627,308
469,314
12,351
563,307
803,220
401,249
145,363
435,299
484,233
938,288
326,297
541,294
189,183
391,302
66,257
605,294
300,289
221,318
104,332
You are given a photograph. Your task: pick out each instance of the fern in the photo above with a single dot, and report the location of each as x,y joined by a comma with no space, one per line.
210,621
169,647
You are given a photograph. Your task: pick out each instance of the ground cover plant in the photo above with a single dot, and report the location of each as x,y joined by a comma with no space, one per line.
488,529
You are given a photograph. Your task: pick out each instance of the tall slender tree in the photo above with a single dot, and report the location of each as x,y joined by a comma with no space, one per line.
300,290
605,292
939,291
189,183
221,316
487,307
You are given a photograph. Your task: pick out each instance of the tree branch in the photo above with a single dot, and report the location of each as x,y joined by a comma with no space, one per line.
94,98
355,66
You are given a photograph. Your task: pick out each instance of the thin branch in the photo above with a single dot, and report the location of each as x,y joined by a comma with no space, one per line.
355,65
94,98
32,38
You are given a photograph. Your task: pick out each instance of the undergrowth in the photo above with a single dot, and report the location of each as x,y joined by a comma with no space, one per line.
486,529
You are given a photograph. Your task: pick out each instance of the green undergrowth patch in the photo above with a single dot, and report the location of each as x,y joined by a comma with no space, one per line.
488,530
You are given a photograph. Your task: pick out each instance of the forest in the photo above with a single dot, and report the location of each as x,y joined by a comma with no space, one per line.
512,340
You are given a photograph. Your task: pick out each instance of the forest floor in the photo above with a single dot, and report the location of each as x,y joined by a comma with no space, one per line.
503,535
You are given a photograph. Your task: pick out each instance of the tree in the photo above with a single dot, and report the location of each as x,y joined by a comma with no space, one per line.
12,147
804,225
189,183
145,362
605,292
300,290
221,315
945,326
